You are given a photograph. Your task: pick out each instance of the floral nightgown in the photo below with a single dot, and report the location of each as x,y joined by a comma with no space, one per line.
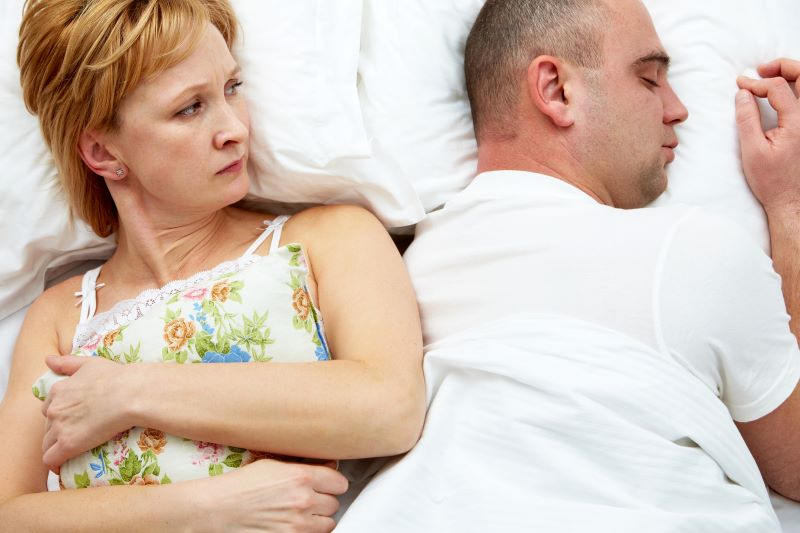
252,309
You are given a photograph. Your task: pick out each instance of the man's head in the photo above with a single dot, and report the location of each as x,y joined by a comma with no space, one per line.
577,88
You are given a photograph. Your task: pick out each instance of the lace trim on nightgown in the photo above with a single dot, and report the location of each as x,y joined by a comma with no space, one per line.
126,311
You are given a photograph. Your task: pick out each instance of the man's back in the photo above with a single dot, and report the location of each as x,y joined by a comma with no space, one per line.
685,284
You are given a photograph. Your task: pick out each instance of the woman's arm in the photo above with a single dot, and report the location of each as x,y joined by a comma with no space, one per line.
369,401
263,494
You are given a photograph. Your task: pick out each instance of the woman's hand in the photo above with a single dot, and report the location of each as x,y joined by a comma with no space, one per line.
273,496
84,410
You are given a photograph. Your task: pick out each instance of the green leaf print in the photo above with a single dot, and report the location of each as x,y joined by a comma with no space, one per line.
181,357
233,460
116,481
203,343
105,353
223,345
130,467
166,355
39,394
215,469
236,450
174,299
149,457
171,315
132,355
82,480
166,480
235,296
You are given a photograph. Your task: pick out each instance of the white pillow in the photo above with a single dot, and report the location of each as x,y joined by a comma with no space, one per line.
413,94
711,43
36,237
299,61
414,100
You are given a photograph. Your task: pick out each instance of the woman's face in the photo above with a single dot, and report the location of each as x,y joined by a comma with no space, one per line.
184,135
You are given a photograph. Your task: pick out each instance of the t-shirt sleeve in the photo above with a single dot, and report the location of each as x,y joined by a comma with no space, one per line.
720,311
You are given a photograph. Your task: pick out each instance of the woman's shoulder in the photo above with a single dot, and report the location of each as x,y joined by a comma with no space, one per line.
59,296
333,222
54,311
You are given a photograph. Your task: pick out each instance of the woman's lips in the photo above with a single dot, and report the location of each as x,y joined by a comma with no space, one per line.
233,168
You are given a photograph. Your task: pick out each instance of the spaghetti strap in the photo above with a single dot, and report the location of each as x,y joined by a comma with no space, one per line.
276,226
88,294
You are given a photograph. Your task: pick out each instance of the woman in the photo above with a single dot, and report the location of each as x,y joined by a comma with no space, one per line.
139,102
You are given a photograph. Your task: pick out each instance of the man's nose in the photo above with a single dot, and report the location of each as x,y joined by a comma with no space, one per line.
674,110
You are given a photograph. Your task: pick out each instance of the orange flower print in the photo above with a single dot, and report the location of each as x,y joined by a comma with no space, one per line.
177,333
152,439
301,303
109,339
220,291
253,455
148,479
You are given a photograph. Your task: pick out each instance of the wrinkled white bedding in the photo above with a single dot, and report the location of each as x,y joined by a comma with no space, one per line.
543,423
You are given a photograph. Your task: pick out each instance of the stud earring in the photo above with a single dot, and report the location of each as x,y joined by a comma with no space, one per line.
119,172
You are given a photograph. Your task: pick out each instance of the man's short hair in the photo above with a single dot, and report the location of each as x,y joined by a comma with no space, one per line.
508,35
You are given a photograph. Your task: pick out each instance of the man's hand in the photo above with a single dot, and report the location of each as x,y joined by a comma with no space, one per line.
82,411
771,159
771,162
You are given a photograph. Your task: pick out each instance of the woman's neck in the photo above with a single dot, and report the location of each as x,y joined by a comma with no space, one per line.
155,253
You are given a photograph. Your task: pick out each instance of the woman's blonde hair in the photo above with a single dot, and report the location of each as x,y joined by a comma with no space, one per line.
78,59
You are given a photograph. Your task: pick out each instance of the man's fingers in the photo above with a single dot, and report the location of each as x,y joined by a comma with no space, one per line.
777,91
783,67
748,121
328,481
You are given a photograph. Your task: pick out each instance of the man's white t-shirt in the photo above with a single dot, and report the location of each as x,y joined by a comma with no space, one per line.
692,286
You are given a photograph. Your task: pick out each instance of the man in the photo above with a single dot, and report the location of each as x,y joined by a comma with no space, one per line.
586,359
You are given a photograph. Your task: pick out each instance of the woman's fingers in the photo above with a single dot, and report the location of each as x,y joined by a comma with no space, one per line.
321,524
325,505
328,481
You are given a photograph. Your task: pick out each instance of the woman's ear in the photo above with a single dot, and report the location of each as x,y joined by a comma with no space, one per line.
548,89
97,156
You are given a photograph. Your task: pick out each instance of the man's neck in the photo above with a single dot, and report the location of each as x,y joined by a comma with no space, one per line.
565,167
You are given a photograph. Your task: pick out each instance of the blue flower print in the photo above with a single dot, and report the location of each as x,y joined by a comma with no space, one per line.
99,468
321,354
236,355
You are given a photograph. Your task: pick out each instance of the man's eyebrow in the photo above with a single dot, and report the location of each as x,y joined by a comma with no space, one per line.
656,56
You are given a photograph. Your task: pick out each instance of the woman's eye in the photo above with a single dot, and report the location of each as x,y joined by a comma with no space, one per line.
233,88
191,110
654,83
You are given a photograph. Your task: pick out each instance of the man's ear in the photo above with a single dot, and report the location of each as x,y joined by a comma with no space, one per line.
97,156
548,79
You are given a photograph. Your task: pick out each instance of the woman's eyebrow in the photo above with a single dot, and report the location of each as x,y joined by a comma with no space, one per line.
198,87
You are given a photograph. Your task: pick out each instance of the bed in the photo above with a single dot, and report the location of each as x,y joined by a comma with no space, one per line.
363,101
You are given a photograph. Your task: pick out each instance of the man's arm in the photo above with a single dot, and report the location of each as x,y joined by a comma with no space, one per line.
771,162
